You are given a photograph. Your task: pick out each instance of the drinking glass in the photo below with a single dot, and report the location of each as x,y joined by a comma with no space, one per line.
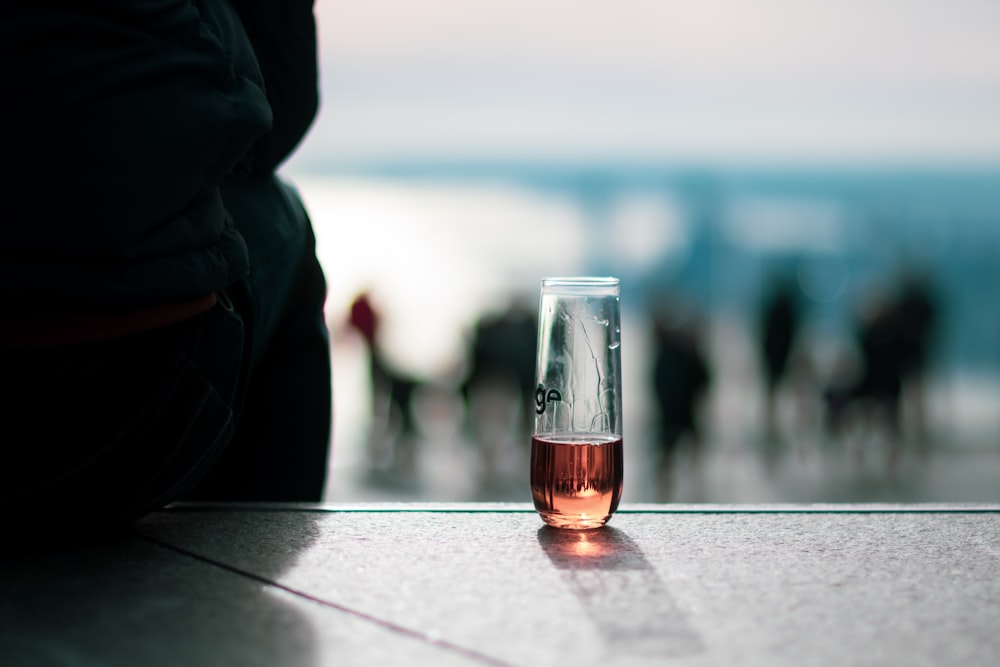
576,446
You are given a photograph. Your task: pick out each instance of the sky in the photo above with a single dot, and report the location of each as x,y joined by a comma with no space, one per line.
658,80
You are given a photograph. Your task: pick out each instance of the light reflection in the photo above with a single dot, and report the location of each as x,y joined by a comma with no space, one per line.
580,546
584,548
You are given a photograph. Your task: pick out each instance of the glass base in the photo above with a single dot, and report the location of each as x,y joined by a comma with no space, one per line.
574,522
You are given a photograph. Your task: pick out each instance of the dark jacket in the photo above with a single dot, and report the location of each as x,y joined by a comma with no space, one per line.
122,119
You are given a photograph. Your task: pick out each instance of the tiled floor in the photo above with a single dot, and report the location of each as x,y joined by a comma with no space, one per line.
466,585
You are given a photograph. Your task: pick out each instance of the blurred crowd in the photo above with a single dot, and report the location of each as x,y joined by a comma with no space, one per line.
874,389
875,384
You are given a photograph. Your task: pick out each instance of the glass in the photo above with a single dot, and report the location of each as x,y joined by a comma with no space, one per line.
576,447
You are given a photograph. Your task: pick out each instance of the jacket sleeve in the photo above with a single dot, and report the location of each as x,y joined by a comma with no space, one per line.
123,118
283,34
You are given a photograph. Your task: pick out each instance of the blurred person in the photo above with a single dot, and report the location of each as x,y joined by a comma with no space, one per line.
918,312
499,388
883,356
162,334
392,393
779,328
875,390
680,379
502,350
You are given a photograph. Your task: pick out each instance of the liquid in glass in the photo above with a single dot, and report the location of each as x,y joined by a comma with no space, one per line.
576,479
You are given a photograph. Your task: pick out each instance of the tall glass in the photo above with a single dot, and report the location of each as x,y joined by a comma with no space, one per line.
576,448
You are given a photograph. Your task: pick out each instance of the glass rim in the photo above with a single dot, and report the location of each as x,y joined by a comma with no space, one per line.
590,285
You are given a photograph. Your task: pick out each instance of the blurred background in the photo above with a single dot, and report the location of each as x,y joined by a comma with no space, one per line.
801,200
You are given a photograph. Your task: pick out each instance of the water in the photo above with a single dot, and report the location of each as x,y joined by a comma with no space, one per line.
443,247
464,238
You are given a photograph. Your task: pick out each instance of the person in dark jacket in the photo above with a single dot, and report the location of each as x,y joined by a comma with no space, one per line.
162,333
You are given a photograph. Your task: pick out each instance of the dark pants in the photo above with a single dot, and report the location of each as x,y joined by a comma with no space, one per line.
280,448
233,404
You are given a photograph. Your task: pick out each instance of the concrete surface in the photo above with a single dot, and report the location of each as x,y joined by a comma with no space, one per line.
487,584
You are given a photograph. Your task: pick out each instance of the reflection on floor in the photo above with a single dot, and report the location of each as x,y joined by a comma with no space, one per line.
479,451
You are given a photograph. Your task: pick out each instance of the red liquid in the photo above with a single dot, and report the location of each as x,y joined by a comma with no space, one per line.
576,479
